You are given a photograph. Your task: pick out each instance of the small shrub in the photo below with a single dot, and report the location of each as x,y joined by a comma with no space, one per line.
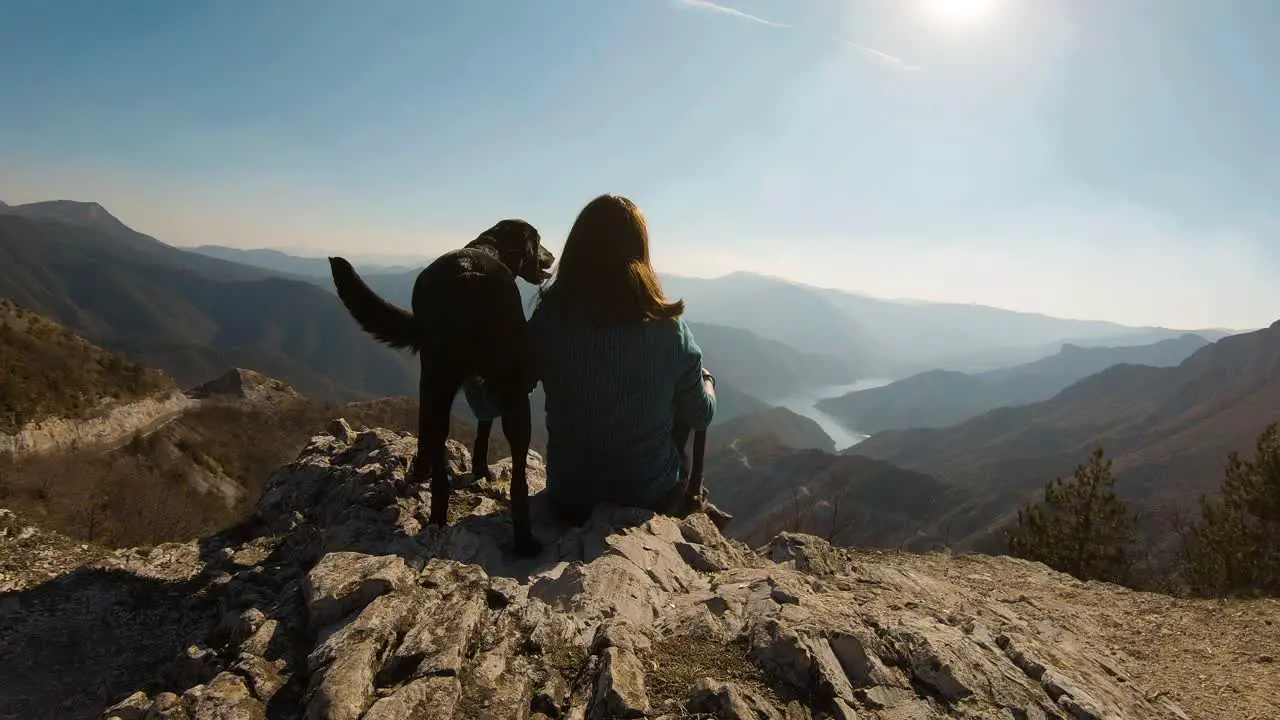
1082,527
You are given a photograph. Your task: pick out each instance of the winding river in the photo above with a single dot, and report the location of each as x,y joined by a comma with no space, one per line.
806,404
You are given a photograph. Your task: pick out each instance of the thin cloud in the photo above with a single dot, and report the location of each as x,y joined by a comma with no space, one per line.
734,12
882,57
878,56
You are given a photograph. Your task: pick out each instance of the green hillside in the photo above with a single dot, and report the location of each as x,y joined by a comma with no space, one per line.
48,371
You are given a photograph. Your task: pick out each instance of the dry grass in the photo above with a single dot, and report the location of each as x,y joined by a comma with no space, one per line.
676,664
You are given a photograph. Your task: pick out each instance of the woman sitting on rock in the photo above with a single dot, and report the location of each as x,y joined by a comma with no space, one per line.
619,367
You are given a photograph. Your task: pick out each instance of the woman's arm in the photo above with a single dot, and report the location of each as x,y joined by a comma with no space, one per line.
695,401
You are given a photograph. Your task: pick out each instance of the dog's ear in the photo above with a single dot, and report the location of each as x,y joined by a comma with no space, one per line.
521,248
539,258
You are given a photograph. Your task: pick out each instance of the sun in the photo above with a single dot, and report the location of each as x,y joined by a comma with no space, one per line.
960,11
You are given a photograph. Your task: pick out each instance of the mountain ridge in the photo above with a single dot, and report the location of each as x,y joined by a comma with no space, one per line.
938,398
191,317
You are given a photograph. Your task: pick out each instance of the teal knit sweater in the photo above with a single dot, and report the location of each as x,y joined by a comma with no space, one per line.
612,396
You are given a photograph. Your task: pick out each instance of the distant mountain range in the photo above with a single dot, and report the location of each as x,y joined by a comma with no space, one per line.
872,336
887,338
943,397
194,316
307,267
1169,430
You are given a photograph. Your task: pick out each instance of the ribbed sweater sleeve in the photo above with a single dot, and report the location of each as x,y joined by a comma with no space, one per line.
694,407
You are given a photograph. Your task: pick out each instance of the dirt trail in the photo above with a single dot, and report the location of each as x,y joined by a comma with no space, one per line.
109,430
742,457
159,422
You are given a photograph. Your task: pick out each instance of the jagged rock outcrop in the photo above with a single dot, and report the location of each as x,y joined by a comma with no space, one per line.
336,600
113,425
340,602
241,384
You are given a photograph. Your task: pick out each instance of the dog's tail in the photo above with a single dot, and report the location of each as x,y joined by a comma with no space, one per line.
385,322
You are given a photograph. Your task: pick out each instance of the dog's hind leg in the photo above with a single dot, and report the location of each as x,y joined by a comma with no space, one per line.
517,426
435,400
480,451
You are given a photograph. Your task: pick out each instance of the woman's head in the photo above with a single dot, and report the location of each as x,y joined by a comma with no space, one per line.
604,269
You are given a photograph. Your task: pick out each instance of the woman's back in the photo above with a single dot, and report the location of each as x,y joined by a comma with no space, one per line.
613,393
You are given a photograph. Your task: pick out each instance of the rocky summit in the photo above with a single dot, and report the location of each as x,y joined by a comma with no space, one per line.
337,601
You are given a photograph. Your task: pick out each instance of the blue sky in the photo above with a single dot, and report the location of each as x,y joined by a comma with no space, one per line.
1087,158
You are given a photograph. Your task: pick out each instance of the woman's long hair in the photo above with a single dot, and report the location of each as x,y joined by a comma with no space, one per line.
604,269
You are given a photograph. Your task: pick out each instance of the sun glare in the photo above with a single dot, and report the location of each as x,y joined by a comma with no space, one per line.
960,11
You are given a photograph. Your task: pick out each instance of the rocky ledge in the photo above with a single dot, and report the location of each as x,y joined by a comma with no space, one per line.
337,600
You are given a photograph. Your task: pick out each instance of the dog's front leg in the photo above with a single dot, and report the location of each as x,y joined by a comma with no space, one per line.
517,426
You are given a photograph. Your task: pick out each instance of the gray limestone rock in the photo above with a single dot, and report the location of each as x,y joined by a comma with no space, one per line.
365,613
343,582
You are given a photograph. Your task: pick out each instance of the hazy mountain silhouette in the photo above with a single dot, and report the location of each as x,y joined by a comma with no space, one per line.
787,312
316,268
942,397
875,337
766,368
995,358
975,338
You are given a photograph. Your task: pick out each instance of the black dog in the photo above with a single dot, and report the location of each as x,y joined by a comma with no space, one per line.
467,322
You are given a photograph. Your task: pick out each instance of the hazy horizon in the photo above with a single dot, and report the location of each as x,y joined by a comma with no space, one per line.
1084,159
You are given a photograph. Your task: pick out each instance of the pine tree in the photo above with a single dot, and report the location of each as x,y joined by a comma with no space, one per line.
1082,527
1236,545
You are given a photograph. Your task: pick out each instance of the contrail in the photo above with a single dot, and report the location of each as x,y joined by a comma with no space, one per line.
883,57
879,56
726,10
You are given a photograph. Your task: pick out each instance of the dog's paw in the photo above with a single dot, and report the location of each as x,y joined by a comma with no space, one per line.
718,517
528,546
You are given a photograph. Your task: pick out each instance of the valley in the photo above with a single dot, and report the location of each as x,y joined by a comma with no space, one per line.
975,304
938,459
810,403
